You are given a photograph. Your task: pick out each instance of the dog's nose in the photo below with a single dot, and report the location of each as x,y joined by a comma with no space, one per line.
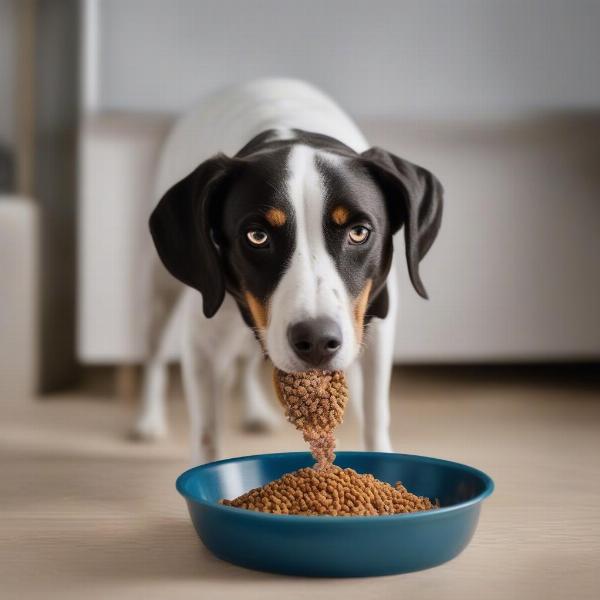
315,341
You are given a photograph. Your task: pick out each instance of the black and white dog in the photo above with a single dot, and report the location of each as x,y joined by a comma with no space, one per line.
288,231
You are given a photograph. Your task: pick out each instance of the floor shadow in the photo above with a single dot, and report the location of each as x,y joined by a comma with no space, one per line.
573,376
166,550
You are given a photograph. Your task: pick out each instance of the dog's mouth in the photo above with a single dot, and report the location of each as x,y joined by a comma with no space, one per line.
299,366
296,365
299,344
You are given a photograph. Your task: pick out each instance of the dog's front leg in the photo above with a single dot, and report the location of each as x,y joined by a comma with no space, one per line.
354,377
259,414
151,423
377,368
203,390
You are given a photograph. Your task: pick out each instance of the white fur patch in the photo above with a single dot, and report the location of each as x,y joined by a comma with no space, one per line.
311,286
284,133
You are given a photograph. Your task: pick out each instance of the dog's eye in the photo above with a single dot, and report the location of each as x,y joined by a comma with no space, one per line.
257,238
359,234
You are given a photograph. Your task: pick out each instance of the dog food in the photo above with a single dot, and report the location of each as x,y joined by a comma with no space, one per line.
314,402
332,491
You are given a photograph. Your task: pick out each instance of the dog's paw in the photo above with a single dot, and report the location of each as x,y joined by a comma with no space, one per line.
380,444
383,448
149,430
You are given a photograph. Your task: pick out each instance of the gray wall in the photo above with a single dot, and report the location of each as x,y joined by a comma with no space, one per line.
8,68
452,58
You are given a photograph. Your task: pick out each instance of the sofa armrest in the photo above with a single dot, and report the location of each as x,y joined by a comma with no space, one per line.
118,154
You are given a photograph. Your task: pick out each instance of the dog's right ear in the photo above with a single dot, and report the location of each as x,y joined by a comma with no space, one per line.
415,199
182,227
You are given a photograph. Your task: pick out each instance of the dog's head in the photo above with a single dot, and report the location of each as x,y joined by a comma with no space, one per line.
299,232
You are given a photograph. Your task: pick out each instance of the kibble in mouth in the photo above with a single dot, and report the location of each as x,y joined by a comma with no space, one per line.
314,402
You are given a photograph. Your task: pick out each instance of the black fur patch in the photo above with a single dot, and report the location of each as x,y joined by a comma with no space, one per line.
348,185
200,224
259,185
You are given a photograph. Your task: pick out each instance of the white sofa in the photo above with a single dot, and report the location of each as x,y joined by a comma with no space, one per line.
19,306
514,275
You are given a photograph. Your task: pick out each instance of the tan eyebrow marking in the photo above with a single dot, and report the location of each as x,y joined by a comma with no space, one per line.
276,217
258,310
360,308
340,215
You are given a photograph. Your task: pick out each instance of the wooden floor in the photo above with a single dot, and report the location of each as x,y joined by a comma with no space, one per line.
85,513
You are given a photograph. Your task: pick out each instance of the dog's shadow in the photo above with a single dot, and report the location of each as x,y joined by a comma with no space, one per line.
166,550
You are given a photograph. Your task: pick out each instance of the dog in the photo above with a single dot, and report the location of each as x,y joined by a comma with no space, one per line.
274,208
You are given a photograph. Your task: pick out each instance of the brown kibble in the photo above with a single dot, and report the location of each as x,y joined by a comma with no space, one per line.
314,403
381,498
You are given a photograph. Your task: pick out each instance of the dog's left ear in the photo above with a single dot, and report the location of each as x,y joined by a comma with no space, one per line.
182,227
414,199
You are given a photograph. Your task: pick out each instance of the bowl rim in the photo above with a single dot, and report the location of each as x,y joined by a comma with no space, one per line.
251,514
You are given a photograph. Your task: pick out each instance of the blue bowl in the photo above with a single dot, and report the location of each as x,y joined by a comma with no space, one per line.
326,546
